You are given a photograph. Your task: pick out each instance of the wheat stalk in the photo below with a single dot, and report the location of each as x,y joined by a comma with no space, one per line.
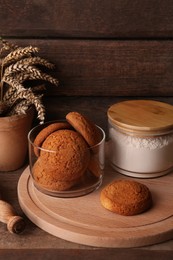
41,76
21,77
27,94
15,68
47,77
21,107
11,91
18,54
15,85
8,93
3,48
7,46
35,60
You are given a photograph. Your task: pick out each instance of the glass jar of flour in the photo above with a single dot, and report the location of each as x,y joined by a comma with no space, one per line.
141,138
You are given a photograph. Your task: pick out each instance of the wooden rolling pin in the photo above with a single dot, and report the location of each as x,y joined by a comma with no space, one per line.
15,224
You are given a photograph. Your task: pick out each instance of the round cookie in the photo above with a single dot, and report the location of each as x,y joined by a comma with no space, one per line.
126,197
68,154
45,132
85,127
47,179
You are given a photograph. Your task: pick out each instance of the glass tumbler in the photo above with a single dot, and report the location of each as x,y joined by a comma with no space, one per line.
66,170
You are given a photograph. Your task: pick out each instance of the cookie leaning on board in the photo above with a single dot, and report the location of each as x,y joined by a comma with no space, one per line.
63,169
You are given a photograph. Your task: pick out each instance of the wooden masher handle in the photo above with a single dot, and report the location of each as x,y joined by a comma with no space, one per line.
15,224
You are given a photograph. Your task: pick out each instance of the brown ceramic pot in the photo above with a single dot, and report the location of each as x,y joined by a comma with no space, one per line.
13,140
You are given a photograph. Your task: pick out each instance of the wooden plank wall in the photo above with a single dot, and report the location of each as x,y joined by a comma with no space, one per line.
101,48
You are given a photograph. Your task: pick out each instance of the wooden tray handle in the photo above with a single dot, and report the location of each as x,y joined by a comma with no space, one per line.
15,224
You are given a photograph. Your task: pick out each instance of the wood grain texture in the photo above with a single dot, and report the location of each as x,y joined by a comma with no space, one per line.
142,116
89,18
37,243
74,219
109,68
85,254
94,107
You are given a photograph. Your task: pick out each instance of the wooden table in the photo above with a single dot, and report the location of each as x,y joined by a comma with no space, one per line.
36,243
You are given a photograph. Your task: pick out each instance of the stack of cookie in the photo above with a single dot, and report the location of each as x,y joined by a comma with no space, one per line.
64,152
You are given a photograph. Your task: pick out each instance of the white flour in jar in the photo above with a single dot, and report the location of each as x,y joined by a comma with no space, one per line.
141,154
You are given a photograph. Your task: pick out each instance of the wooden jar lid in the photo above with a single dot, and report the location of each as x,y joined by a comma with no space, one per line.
142,116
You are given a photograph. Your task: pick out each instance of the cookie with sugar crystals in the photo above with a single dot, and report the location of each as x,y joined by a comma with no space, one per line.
48,179
66,152
85,127
126,197
45,132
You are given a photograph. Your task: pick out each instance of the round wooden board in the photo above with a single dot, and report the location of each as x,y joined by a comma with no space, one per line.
83,219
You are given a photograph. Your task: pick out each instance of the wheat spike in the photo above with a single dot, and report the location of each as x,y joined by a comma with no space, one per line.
7,46
18,54
21,77
13,98
9,93
3,48
34,61
13,83
15,68
49,78
18,66
20,108
27,94
12,94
